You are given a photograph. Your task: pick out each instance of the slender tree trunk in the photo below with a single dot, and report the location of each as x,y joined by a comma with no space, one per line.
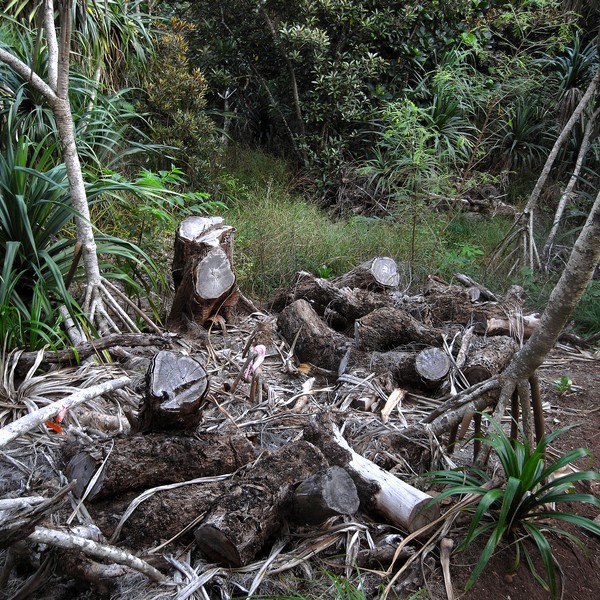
531,205
585,144
563,300
560,140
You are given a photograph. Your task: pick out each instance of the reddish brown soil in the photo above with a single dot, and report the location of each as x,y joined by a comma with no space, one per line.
581,571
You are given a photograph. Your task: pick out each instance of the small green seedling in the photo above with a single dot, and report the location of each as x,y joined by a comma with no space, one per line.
562,385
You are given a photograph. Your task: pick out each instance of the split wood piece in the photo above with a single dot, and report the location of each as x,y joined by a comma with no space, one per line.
393,400
175,388
243,519
202,271
37,417
19,522
379,490
378,274
326,494
389,327
432,364
145,461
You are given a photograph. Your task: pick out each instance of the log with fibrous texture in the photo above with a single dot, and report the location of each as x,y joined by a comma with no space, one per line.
125,464
379,490
379,273
242,520
389,327
175,389
205,283
327,493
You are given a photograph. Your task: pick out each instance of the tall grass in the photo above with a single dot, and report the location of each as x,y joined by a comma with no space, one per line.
279,233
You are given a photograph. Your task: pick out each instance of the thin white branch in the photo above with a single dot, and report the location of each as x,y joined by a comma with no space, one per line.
68,541
28,75
37,417
52,44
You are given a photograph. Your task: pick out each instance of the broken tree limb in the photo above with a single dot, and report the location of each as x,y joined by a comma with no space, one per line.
327,493
37,417
243,519
18,520
145,461
68,541
175,388
400,502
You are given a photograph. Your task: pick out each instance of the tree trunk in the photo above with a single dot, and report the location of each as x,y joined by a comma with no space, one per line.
585,143
379,274
202,271
140,462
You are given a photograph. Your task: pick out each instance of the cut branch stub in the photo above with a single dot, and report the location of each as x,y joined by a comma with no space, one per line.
175,388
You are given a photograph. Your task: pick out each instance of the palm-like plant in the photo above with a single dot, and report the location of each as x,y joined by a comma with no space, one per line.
523,508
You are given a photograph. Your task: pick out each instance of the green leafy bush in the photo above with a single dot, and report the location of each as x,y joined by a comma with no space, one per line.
522,508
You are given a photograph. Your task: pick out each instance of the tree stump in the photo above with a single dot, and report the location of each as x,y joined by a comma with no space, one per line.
175,389
203,271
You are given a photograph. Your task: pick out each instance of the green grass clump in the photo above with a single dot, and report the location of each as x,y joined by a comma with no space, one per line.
279,233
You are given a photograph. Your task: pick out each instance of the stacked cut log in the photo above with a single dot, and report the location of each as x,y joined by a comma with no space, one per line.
361,322
203,276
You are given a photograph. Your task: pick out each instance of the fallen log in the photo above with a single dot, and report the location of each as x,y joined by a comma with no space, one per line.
202,271
243,519
379,490
145,461
432,365
325,296
378,274
175,388
318,344
325,494
389,327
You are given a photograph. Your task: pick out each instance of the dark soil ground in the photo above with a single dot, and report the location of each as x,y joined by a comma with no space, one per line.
580,570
